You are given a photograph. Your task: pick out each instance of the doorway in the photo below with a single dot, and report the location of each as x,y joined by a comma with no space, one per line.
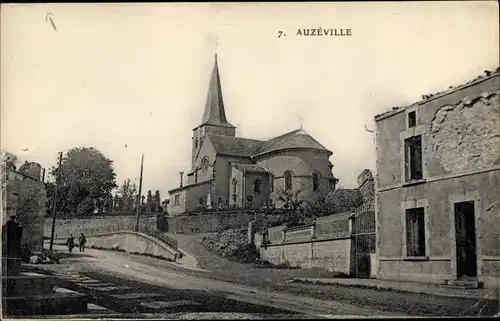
465,233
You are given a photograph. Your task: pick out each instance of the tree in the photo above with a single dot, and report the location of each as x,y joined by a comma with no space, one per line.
9,160
293,204
86,180
128,195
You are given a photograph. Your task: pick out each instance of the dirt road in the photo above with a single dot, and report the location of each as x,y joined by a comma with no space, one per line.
159,273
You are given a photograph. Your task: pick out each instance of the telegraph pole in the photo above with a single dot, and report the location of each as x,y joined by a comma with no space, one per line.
54,202
138,209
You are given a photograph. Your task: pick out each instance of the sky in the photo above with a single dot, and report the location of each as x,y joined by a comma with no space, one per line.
132,78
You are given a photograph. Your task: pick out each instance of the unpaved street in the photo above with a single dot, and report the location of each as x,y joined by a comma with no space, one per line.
160,273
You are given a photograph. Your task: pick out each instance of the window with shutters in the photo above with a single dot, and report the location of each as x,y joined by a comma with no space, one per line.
412,119
413,158
415,232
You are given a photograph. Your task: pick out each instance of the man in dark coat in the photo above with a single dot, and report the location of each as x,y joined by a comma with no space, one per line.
82,240
71,243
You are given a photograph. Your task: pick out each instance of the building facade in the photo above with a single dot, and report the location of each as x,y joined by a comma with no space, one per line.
230,171
438,187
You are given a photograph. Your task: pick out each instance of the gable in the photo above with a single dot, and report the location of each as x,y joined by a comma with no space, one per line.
207,150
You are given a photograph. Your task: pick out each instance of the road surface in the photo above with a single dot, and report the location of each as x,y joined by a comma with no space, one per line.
122,282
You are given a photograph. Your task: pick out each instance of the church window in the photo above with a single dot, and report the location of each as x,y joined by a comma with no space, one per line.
176,199
288,181
315,181
196,143
271,183
205,163
256,185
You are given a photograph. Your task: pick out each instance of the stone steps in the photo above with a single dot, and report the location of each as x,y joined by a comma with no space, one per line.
56,303
463,284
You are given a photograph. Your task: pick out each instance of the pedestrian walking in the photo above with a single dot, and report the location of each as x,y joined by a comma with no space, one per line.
82,240
70,243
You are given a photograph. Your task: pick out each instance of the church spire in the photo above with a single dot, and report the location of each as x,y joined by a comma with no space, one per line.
214,107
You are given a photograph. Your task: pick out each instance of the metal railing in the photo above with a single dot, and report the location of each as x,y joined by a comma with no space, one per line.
157,234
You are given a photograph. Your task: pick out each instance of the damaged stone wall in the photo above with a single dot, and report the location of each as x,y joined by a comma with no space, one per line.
466,136
26,198
366,185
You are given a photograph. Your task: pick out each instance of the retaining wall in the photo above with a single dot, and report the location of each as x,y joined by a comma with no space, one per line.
133,242
98,225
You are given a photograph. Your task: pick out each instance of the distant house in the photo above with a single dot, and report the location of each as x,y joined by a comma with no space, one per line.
438,187
233,171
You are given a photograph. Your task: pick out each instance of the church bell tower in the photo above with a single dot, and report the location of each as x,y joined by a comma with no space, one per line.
214,120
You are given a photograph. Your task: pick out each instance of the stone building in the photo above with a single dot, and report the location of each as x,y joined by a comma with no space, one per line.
26,198
438,187
232,171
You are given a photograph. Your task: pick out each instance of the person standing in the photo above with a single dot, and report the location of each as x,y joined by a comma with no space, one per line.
71,243
82,240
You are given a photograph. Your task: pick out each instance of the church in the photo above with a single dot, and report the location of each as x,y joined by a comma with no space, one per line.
229,171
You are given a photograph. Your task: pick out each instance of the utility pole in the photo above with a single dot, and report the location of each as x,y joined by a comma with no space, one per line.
138,209
54,202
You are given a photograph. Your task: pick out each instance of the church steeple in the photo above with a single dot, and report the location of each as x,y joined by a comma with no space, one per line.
214,120
214,107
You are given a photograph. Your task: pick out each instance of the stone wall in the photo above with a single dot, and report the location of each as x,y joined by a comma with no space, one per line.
25,198
97,225
326,244
214,221
333,255
366,185
133,242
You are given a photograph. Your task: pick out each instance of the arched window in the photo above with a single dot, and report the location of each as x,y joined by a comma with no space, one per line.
256,185
288,181
196,143
315,181
205,163
271,183
235,184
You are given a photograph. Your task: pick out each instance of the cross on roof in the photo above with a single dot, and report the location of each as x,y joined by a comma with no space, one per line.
216,45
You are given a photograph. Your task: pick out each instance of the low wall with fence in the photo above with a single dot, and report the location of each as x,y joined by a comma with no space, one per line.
326,244
98,225
343,243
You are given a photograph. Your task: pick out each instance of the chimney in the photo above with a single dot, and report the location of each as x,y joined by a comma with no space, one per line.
181,174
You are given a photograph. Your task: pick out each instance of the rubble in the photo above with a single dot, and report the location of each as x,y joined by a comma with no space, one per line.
231,244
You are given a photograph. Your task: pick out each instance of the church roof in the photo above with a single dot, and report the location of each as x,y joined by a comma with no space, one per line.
250,168
295,139
234,146
214,107
237,146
